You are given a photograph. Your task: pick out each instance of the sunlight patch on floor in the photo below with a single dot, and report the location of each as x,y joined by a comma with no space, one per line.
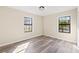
21,48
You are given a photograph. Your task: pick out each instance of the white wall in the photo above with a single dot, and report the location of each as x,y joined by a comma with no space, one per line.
51,26
12,25
78,27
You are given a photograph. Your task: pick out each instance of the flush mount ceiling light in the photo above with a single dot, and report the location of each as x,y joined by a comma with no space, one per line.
42,8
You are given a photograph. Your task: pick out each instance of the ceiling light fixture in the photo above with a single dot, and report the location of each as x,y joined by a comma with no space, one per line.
41,8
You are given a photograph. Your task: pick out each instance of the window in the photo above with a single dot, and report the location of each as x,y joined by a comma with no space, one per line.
27,24
64,24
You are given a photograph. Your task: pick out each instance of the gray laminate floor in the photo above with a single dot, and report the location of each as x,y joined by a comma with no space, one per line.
41,44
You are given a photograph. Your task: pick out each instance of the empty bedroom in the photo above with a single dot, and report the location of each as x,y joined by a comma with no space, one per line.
39,29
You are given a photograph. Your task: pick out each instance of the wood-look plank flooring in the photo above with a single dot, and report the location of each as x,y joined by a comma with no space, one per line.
41,44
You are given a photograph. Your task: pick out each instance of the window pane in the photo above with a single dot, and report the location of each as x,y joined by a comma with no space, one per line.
64,24
27,24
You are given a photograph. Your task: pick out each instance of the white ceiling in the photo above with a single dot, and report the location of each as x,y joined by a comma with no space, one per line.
48,9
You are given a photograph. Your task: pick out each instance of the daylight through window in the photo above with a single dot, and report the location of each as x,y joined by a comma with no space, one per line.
27,24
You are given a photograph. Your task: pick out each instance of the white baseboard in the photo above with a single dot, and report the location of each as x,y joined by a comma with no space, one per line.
18,40
61,39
